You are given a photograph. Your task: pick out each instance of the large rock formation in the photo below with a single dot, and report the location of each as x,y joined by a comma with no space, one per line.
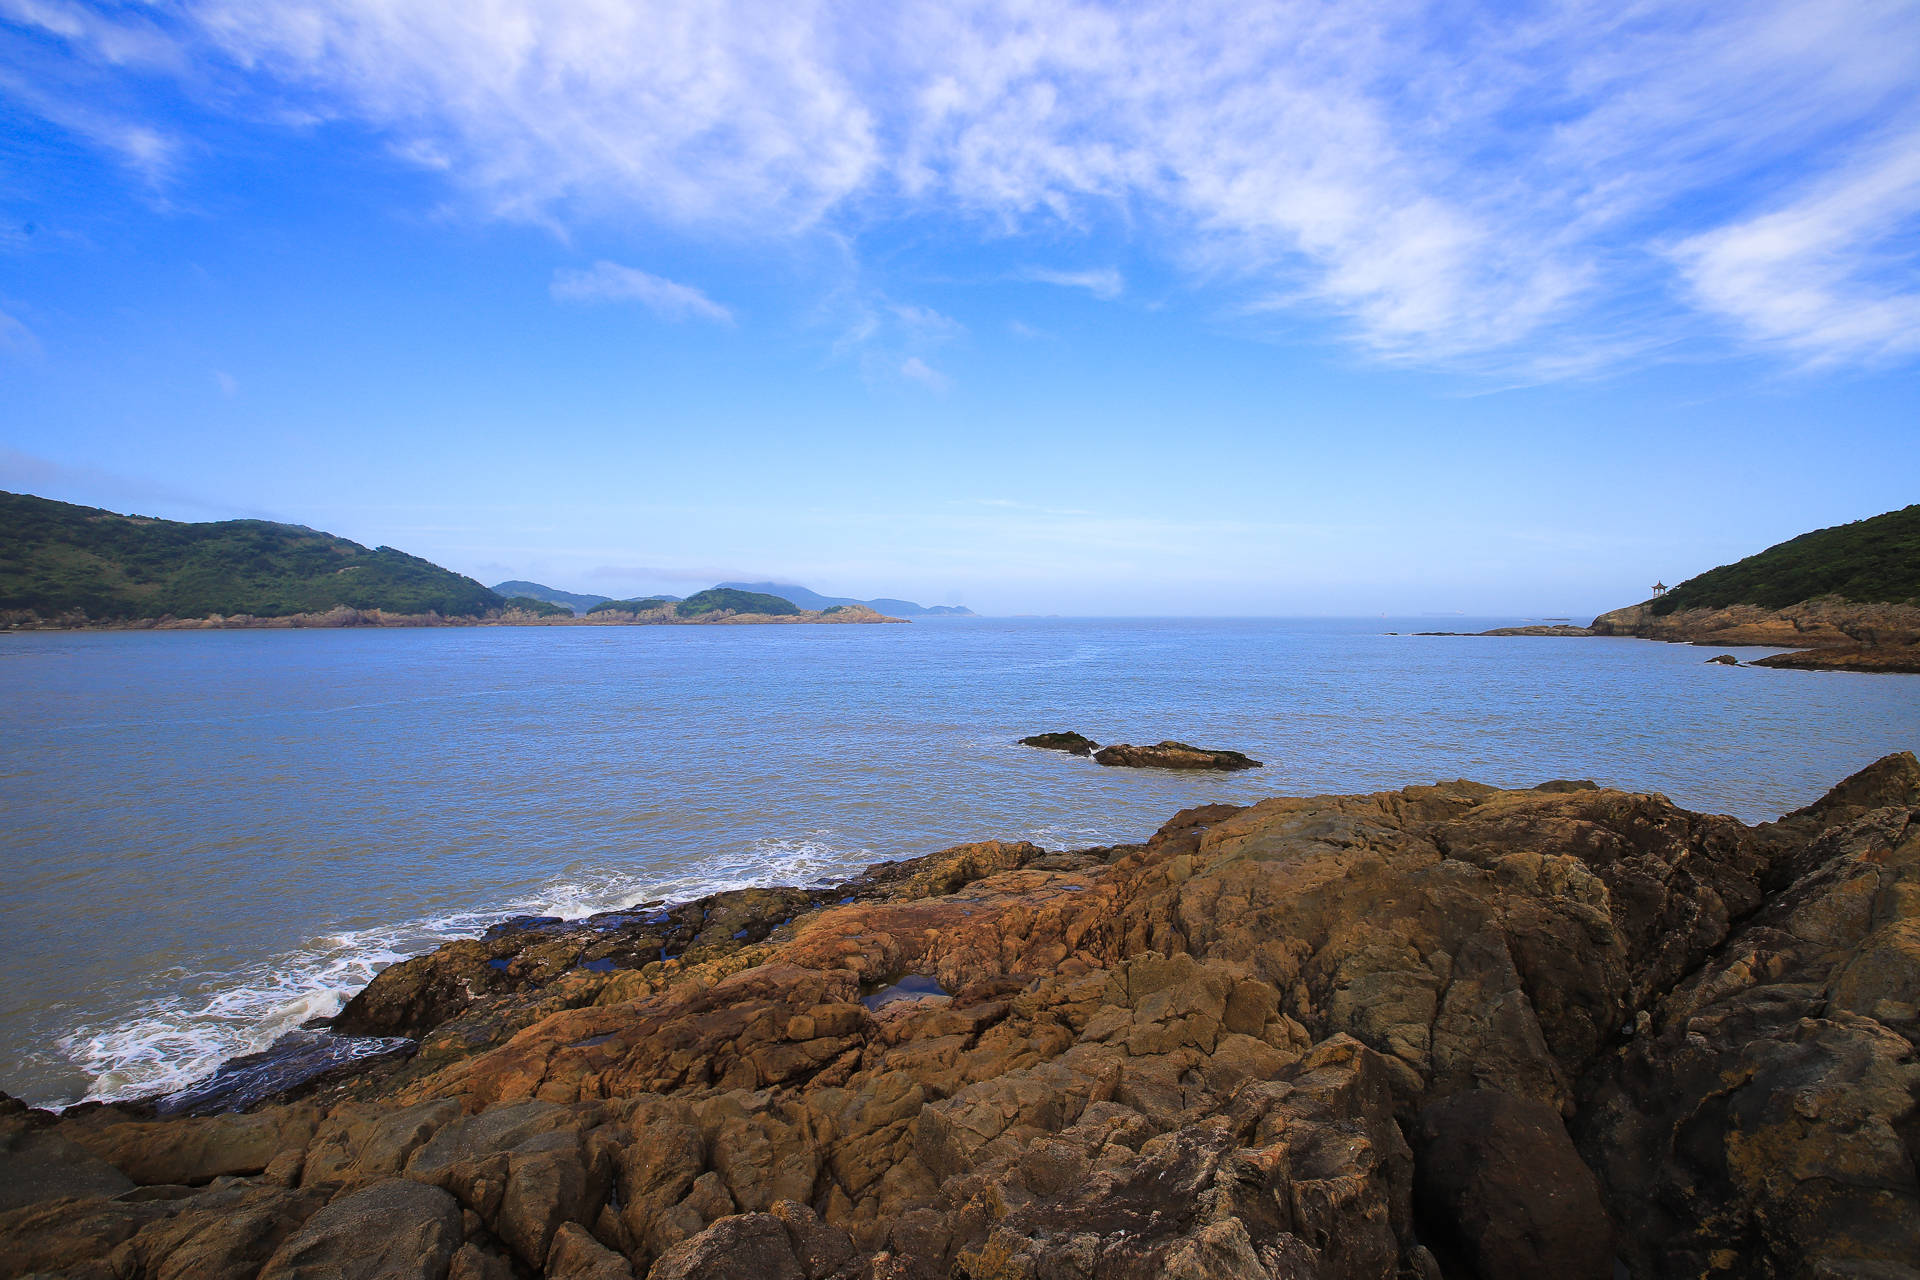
1824,623
1447,1031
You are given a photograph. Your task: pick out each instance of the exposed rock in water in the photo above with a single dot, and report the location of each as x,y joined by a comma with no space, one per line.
1555,629
1172,755
1724,660
1071,743
1893,659
1444,1030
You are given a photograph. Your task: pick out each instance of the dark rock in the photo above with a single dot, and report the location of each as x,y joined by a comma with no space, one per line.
1500,1191
1724,660
393,1230
1071,743
1172,755
295,1059
38,1165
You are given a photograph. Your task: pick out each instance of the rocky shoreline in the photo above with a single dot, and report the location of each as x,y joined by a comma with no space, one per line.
1443,1032
1827,634
344,617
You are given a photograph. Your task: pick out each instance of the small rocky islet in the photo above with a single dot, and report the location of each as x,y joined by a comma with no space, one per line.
1161,755
1446,1031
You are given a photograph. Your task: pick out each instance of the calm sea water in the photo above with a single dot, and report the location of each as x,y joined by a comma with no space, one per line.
208,837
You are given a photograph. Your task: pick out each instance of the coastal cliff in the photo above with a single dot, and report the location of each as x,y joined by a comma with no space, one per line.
1823,623
1849,594
1447,1031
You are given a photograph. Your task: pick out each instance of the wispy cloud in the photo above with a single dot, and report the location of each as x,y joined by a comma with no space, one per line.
1102,282
1533,187
15,337
921,372
611,282
1813,276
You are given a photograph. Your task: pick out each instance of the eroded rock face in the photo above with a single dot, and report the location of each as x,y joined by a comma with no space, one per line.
1356,1037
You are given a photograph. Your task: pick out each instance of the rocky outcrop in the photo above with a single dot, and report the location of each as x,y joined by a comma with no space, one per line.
1447,1031
1075,744
1172,755
1893,659
1822,623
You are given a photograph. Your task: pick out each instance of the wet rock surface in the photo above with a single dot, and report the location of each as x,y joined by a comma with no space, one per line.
1172,755
1441,1032
1076,744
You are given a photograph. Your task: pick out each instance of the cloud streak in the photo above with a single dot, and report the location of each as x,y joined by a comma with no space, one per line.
610,282
1552,185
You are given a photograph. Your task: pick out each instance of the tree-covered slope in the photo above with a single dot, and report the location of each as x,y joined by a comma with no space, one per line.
58,559
714,599
1873,561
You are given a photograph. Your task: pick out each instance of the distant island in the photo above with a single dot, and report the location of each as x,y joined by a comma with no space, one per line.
814,600
69,566
800,597
1847,597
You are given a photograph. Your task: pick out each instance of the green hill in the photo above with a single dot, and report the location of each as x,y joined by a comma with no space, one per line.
58,559
575,600
629,606
1873,561
714,599
538,607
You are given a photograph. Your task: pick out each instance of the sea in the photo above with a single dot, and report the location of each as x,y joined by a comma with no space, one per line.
209,837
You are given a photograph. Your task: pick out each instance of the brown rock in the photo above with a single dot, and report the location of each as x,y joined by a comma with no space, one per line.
747,1246
195,1149
39,1164
576,1255
1172,755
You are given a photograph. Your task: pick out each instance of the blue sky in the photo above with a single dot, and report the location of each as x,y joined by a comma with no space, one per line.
1040,307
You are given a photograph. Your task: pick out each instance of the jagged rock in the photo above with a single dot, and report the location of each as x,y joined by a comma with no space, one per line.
746,1246
226,1234
1502,1192
1172,755
576,1255
392,1230
1074,744
1724,660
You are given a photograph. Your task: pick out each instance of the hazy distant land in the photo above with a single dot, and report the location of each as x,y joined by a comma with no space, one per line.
69,566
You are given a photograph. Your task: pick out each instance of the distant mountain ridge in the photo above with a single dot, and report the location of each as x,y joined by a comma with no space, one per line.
579,602
59,560
814,600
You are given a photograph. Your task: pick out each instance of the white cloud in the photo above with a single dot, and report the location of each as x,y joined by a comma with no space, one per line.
16,338
1812,276
926,324
1451,183
1104,282
919,371
611,282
